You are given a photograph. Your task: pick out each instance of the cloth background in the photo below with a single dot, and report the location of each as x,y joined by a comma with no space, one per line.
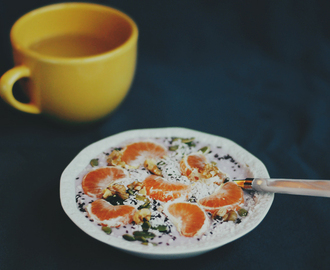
256,72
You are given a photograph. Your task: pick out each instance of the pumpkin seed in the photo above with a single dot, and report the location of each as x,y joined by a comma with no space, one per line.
160,228
107,229
187,140
130,192
183,140
145,205
146,226
144,234
94,162
191,144
129,237
205,149
242,212
173,147
141,198
147,243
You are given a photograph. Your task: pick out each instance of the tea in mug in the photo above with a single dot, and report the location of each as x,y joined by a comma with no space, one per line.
74,46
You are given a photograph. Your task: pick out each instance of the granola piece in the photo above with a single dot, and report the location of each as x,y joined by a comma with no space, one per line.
142,215
220,213
136,185
230,216
116,189
151,165
211,170
107,193
114,159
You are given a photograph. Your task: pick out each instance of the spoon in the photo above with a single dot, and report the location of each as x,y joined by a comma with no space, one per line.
308,187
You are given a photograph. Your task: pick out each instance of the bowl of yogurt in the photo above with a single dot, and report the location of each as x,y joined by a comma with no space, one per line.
163,193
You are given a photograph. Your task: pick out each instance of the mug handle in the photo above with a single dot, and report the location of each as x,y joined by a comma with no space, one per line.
6,89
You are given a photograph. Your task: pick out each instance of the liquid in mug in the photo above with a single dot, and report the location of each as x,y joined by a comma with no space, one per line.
74,46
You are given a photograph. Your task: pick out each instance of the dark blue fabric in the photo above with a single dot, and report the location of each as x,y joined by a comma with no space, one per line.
256,72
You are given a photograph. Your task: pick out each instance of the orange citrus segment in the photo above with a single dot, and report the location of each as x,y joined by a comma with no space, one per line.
196,167
94,182
189,219
110,215
229,195
136,153
159,189
191,164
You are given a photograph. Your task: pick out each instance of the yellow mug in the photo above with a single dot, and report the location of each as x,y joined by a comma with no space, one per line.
79,60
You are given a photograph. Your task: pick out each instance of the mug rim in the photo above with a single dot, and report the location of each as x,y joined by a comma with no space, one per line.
132,39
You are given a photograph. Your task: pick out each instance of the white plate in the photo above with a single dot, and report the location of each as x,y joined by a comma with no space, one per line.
77,165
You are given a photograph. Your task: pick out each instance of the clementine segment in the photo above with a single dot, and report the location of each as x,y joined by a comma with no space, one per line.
191,165
229,195
94,182
189,219
159,189
196,167
110,215
136,153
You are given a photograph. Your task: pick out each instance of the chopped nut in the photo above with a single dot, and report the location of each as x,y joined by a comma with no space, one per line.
138,186
150,164
135,186
132,185
209,170
142,215
117,189
143,191
220,213
114,159
230,216
107,193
